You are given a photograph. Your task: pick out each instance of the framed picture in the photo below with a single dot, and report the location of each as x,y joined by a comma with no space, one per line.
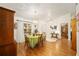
55,27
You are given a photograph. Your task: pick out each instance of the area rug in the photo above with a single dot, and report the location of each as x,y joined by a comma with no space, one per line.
52,40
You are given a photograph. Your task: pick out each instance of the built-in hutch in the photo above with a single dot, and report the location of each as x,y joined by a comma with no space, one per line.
7,43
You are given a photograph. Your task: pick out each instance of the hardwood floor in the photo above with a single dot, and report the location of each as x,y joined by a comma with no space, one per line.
59,48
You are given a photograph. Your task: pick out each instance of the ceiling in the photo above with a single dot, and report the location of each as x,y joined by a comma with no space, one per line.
41,11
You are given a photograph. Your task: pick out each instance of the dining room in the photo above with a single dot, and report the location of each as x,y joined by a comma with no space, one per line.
37,28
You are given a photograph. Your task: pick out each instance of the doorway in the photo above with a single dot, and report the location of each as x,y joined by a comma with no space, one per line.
64,30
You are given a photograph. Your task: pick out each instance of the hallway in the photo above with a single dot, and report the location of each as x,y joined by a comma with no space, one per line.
58,48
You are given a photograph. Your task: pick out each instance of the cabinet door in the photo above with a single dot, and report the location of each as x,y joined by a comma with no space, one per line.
6,27
10,26
8,50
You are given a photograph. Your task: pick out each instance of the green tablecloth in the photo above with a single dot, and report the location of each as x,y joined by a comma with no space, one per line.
33,40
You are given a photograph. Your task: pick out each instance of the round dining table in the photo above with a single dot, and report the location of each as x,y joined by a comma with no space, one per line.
33,40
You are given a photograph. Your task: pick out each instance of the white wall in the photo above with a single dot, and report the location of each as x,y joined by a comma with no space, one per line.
19,32
78,43
15,31
41,26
